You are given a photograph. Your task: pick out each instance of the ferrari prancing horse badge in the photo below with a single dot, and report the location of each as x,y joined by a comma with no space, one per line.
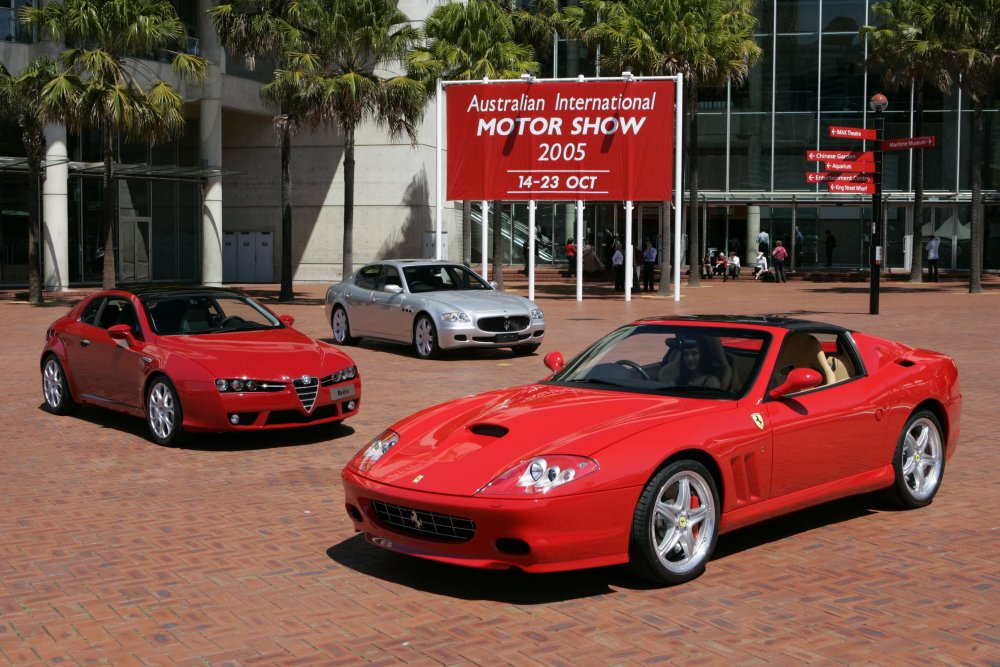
758,419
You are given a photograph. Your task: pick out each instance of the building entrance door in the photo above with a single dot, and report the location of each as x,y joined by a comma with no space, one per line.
133,248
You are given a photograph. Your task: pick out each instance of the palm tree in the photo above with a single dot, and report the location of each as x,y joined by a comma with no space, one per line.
970,31
19,97
356,43
708,42
908,52
272,31
105,85
469,42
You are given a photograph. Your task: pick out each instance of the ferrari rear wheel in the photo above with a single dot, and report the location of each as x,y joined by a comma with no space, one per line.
676,524
55,388
918,461
425,338
163,412
341,327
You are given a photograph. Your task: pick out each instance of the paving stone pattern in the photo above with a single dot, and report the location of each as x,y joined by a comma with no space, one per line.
238,551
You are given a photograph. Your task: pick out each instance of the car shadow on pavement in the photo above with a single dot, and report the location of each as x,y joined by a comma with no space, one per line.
213,442
517,587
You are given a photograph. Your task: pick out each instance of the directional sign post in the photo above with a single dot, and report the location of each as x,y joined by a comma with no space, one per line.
878,104
909,142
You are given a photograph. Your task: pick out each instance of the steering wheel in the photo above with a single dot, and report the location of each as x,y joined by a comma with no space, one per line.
232,321
631,365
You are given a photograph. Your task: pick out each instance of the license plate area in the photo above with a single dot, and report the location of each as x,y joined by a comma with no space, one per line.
507,338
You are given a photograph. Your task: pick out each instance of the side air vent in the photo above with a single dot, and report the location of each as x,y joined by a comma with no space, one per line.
492,430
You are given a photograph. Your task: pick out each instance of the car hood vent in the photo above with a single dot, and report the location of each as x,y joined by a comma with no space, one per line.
906,363
492,430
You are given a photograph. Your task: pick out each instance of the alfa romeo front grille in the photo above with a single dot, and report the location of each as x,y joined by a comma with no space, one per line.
503,324
307,387
428,525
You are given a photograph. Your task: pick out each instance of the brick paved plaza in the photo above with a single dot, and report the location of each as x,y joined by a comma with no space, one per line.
238,551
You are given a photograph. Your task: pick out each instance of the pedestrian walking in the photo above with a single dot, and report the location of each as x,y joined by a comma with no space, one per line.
933,254
778,257
648,265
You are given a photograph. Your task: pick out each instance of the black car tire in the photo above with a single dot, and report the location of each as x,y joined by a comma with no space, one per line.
340,325
164,414
55,388
918,461
676,524
425,342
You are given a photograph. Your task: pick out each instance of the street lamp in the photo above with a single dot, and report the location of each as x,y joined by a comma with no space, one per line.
878,103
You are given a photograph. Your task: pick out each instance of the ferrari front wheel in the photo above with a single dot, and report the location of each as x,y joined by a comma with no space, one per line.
918,462
55,388
676,524
163,412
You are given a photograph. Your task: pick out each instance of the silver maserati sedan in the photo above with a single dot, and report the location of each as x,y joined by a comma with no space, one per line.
432,305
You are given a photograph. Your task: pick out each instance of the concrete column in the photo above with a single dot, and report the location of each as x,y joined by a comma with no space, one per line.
55,211
753,229
210,149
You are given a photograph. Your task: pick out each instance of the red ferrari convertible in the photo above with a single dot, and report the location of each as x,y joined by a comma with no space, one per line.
654,441
194,359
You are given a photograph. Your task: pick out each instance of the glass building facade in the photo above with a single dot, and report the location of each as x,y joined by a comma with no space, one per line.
753,140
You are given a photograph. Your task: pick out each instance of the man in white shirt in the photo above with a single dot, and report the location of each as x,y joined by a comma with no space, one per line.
618,264
933,253
732,267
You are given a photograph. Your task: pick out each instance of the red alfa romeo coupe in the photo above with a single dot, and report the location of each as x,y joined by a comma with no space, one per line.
654,441
194,359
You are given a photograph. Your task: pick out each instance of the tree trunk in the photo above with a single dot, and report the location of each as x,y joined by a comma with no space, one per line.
108,206
286,292
498,243
694,259
34,144
467,232
348,202
976,214
917,242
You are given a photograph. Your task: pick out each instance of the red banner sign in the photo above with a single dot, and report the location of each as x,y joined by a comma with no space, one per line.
828,176
909,142
865,167
851,188
850,156
851,132
559,140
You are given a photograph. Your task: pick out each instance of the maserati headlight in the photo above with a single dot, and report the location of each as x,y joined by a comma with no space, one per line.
456,317
374,450
536,314
541,475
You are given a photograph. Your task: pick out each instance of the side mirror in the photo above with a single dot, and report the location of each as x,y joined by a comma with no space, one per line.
493,284
121,333
798,380
392,289
287,320
554,361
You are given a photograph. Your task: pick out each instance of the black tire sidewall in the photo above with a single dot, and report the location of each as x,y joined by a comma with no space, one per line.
642,554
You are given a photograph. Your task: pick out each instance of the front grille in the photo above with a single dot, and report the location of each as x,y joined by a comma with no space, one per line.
428,525
504,324
307,387
277,417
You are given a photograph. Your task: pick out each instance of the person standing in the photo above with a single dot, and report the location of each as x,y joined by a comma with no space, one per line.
636,267
648,265
831,243
779,255
764,243
618,264
933,254
571,256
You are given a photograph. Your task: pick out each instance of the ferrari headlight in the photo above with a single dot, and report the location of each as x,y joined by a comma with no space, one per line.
536,314
456,317
541,475
373,451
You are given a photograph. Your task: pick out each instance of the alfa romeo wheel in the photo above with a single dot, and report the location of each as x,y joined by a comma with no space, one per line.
425,338
341,327
163,412
676,524
918,461
55,388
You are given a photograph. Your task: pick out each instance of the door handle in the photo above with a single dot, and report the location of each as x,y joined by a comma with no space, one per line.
84,342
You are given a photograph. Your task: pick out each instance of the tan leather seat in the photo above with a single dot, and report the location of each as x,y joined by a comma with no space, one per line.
840,368
802,350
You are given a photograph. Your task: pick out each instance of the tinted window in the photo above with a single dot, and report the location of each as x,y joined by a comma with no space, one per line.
89,315
367,277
